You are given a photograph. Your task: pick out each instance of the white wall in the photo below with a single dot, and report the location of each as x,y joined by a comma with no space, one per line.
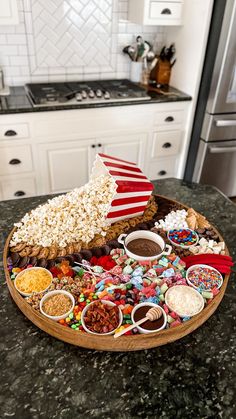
60,40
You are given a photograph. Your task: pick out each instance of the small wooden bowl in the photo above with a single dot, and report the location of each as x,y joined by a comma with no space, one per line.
108,343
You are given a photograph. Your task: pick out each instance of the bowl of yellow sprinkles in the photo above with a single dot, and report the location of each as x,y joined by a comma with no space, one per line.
33,280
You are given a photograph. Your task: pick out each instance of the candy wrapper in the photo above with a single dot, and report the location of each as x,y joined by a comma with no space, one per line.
133,188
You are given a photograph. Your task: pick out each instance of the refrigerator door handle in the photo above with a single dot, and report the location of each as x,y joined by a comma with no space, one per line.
226,123
215,150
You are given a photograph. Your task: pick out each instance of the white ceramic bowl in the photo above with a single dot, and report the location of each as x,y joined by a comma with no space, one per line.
27,270
182,245
202,266
175,301
146,331
50,294
143,234
109,303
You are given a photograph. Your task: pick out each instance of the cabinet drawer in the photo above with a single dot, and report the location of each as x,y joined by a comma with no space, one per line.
14,131
162,168
18,188
163,10
15,160
169,118
166,143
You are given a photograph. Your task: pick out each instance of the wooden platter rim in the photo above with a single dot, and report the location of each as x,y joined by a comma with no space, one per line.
108,343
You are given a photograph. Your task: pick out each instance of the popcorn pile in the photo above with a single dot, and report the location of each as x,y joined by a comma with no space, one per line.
76,216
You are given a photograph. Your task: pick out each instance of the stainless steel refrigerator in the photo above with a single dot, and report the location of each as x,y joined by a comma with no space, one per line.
212,152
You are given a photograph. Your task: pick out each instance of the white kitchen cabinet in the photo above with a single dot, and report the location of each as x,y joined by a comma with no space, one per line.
155,12
65,165
8,12
20,187
129,147
55,150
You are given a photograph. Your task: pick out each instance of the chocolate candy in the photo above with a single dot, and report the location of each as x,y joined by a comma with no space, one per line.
24,262
105,250
42,263
77,257
15,257
33,261
86,254
97,252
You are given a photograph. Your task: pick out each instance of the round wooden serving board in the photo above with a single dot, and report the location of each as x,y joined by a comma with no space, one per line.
108,343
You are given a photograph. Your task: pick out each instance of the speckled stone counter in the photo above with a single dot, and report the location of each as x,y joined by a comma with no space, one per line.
194,377
18,101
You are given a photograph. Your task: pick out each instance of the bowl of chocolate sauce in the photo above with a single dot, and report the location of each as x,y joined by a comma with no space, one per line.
140,311
144,245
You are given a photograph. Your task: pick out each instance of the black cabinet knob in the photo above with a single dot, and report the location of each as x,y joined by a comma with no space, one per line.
99,145
93,145
10,133
162,173
14,161
166,145
19,193
166,11
169,119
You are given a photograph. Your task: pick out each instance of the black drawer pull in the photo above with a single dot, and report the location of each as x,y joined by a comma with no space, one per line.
99,145
166,11
14,161
19,193
10,133
162,173
169,119
93,145
166,145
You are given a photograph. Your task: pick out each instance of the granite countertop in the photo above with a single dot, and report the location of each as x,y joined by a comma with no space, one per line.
194,377
18,102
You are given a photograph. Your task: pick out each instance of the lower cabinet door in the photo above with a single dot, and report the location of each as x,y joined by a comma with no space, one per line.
18,188
163,168
130,147
64,166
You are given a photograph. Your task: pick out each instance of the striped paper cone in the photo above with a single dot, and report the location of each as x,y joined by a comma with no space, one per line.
133,188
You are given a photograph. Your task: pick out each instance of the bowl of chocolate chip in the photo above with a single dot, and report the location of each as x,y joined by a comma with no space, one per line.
144,245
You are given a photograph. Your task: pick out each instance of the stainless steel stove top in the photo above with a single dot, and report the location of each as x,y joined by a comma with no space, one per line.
84,93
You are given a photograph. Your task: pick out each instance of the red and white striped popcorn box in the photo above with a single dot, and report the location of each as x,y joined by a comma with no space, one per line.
133,187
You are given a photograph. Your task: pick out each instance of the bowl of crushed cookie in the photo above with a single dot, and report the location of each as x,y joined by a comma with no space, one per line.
57,305
33,280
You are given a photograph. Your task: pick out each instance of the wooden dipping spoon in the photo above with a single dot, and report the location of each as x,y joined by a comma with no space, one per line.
154,313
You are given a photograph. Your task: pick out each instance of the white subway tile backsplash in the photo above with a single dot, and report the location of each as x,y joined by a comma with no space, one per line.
70,40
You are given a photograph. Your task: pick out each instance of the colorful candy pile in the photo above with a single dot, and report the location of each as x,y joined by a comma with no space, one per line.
205,278
183,237
126,284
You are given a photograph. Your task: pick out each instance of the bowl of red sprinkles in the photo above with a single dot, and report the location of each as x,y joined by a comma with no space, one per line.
204,277
101,317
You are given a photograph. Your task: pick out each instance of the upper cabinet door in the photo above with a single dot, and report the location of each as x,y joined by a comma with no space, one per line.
8,12
156,12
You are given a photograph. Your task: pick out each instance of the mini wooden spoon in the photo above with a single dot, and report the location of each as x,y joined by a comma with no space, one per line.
153,314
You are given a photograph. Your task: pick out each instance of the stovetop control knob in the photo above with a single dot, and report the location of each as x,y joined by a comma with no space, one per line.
107,95
91,94
98,93
84,94
78,97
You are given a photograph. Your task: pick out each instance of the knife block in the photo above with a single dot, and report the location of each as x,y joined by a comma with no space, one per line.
163,72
